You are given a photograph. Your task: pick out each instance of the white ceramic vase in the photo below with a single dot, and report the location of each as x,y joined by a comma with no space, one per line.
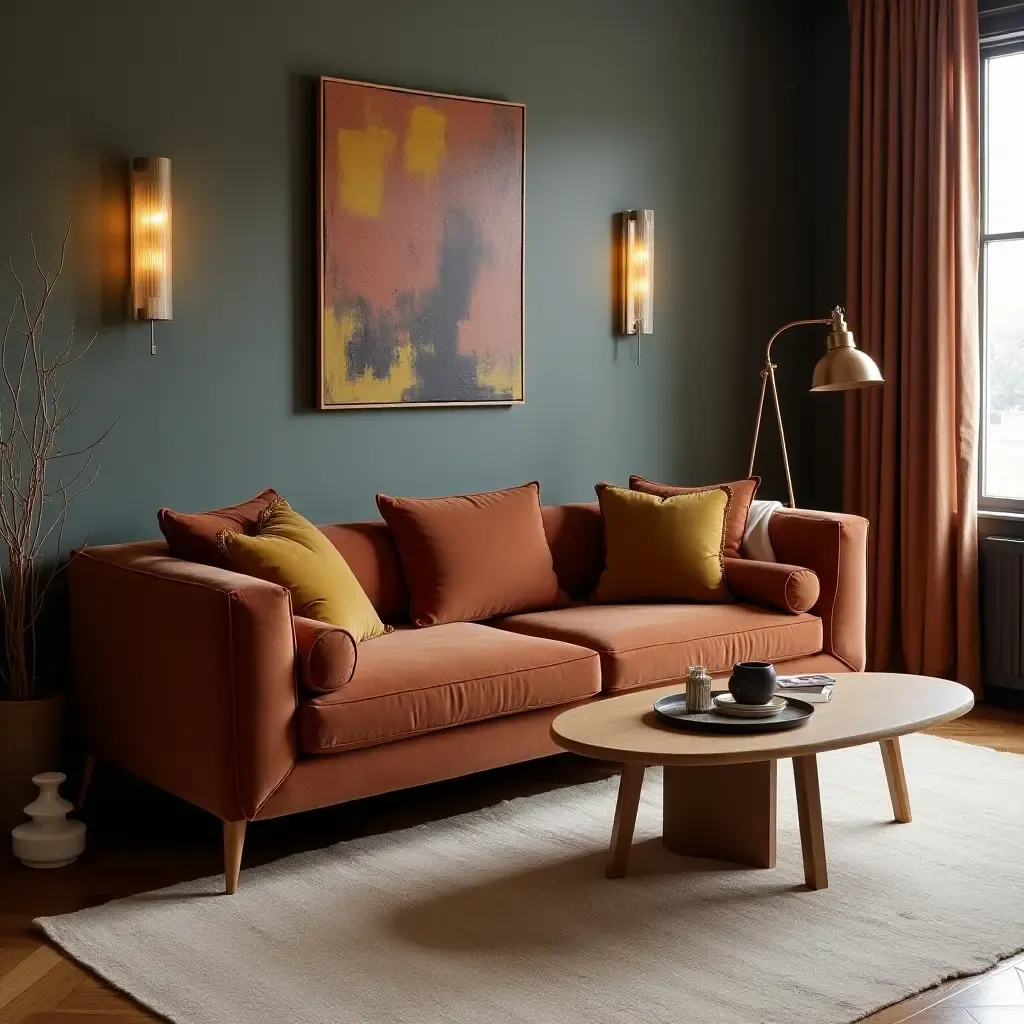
49,840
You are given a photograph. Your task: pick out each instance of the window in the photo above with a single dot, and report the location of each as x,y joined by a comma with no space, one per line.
1002,277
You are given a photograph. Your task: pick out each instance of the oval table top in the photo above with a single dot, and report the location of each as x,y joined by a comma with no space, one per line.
865,706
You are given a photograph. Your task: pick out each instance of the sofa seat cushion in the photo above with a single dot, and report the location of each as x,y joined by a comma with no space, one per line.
643,644
414,681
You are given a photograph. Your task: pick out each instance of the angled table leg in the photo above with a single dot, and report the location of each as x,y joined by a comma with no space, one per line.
626,805
808,806
892,758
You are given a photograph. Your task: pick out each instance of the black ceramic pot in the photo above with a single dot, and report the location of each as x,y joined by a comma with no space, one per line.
752,682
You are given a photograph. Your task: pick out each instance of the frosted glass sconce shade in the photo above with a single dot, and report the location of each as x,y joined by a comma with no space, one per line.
151,238
637,276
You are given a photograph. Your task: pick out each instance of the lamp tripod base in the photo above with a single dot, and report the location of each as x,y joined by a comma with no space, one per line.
768,376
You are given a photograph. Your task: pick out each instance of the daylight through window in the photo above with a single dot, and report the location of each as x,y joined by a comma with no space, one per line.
1003,281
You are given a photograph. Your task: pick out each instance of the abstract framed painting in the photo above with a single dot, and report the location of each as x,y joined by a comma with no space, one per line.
421,248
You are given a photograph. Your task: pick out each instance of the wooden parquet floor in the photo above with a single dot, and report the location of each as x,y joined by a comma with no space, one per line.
142,839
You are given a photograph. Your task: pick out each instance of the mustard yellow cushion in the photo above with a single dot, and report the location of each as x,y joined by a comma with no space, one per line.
663,548
290,551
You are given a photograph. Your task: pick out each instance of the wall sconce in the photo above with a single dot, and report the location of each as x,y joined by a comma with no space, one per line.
637,274
151,240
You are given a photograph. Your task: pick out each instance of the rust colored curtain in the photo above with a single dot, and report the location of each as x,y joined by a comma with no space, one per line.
912,294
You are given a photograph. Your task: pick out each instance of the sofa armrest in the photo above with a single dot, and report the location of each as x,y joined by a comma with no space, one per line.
835,547
790,588
184,674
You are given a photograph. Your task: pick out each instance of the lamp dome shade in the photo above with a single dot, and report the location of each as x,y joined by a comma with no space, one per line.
845,369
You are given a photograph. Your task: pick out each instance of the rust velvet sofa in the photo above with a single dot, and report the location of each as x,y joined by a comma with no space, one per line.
201,681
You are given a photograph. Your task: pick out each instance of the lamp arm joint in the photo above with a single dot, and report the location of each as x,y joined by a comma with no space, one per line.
781,330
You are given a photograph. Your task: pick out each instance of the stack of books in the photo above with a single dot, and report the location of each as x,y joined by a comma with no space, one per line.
815,689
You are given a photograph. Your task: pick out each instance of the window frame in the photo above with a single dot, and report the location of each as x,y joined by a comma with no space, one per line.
994,46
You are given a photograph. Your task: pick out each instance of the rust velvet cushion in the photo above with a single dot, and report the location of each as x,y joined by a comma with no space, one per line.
643,644
193,536
667,549
415,681
327,655
743,492
473,556
790,588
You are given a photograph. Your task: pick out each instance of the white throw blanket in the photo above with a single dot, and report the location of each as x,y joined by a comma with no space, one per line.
756,542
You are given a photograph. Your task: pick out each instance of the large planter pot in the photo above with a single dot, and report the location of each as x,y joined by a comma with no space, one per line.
30,743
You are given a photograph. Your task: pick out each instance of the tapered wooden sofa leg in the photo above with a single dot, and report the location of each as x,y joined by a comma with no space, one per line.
234,840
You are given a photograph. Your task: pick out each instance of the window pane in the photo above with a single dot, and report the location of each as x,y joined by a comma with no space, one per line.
1004,160
1004,369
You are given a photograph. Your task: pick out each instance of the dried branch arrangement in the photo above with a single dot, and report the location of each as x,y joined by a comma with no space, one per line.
39,481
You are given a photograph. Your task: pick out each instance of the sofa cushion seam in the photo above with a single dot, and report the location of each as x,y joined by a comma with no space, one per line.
694,639
835,596
651,684
234,705
296,691
379,741
457,682
168,578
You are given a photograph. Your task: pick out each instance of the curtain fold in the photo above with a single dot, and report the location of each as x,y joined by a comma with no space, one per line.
913,221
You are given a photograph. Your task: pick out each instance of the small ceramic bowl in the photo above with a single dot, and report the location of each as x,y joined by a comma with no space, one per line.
752,682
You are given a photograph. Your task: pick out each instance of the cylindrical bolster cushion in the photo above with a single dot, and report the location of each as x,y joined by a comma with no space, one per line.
326,655
790,588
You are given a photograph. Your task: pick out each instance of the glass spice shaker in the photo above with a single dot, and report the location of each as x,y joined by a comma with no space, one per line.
698,689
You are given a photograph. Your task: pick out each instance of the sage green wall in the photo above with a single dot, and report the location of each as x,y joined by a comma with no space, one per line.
828,127
696,109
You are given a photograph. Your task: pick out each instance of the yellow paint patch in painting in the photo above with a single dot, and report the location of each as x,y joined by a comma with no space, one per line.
425,142
362,160
338,332
365,389
503,375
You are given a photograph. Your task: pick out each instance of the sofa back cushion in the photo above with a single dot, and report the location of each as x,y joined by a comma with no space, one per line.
369,548
469,557
575,535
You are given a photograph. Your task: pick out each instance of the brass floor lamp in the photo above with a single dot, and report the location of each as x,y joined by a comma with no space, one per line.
843,367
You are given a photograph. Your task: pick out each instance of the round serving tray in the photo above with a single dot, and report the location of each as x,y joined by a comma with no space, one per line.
672,711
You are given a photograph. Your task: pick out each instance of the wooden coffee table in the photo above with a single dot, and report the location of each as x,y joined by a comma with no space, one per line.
720,790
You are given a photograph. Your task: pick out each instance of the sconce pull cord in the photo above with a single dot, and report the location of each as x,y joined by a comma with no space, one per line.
152,338
638,326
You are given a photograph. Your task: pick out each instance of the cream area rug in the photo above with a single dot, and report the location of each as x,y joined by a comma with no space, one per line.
504,915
